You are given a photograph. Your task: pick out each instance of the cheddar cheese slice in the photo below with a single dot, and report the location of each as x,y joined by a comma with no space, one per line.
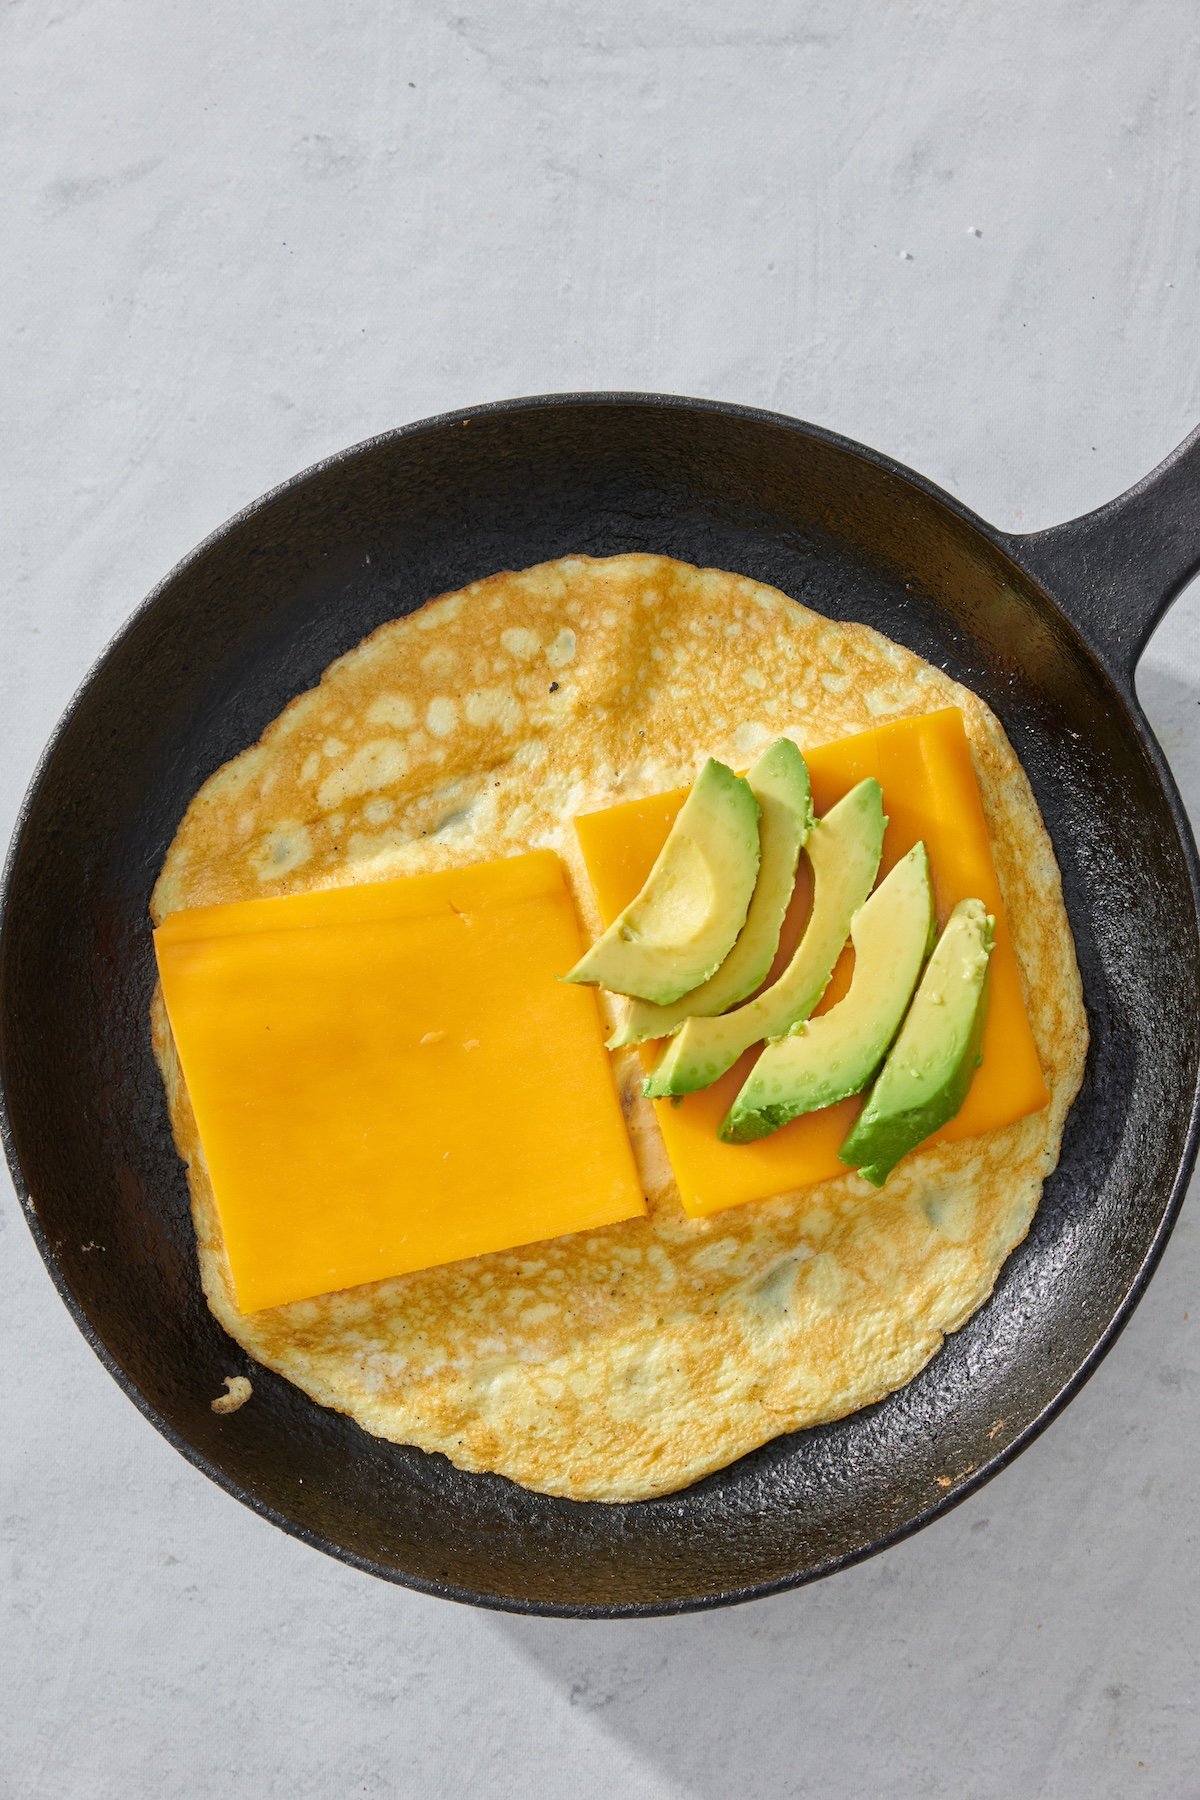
391,1076
929,792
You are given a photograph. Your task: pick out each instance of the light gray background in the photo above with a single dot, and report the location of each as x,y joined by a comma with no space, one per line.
241,235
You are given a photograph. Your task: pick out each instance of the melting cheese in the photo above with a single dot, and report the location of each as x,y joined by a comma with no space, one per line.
929,791
388,1077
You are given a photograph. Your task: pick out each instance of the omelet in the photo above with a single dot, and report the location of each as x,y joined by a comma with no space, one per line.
626,1362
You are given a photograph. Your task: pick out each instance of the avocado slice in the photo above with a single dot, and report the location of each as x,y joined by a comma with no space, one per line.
837,1054
931,1065
843,848
679,929
779,782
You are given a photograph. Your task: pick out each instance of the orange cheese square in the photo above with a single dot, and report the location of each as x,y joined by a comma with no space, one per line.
390,1076
929,791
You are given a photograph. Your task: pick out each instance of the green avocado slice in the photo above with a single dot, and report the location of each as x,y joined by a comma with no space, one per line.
844,849
679,929
779,782
836,1055
931,1065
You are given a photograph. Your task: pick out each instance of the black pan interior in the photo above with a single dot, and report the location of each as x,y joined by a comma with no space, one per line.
252,620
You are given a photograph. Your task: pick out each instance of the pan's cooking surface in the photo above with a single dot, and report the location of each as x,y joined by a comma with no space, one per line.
252,620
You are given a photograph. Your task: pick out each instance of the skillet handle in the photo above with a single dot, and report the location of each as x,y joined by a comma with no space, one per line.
1115,571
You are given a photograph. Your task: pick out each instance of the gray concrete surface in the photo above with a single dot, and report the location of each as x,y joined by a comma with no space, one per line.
238,236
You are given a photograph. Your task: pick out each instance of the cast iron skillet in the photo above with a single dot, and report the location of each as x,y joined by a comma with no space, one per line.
1047,628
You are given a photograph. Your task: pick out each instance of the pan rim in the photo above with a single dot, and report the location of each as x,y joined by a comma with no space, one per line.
1007,548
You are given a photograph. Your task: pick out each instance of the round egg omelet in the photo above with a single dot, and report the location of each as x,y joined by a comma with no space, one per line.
624,1362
